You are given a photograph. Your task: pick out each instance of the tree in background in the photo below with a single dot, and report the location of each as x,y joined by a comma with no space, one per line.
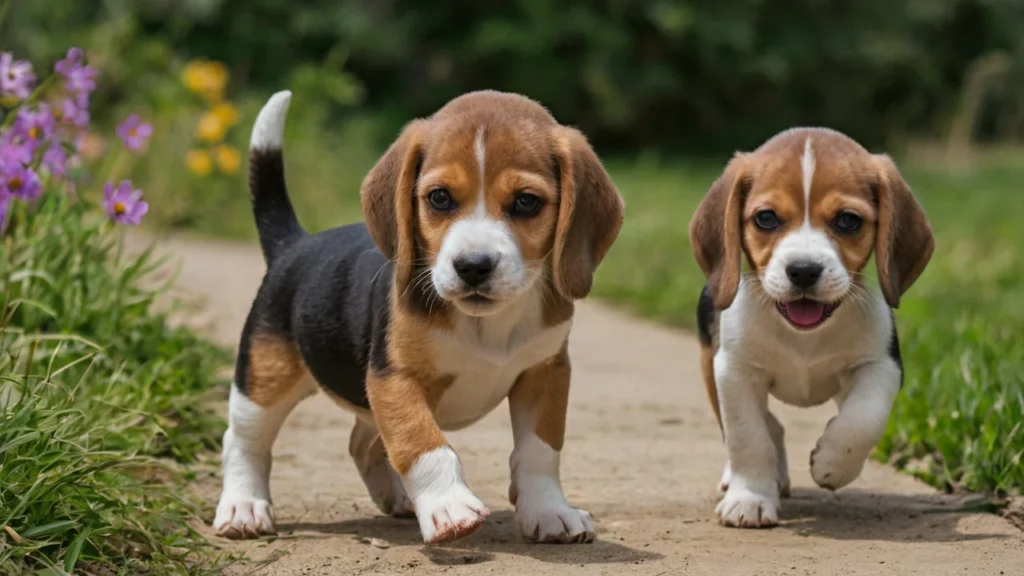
674,74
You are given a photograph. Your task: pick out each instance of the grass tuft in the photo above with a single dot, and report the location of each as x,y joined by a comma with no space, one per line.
100,399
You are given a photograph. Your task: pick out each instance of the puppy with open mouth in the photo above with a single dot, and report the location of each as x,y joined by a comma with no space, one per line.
806,211
484,223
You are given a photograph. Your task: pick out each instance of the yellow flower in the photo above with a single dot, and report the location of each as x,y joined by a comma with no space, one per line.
228,159
211,128
198,162
227,113
206,78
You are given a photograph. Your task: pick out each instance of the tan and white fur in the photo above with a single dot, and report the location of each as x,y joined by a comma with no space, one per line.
806,211
484,222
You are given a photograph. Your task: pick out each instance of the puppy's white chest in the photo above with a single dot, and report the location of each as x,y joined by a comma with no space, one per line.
804,369
485,366
806,381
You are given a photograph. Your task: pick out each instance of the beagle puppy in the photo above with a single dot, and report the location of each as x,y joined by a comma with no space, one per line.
484,222
806,210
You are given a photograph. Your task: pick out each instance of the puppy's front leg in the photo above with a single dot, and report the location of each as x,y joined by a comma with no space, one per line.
864,405
752,499
431,471
538,404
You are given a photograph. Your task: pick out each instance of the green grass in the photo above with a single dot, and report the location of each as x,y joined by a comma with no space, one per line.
101,400
957,422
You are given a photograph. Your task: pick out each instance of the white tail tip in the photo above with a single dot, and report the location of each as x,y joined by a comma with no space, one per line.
268,132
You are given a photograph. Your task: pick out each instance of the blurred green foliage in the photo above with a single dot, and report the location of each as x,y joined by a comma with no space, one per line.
684,74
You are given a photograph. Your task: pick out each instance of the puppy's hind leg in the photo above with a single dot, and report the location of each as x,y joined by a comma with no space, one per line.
781,463
384,484
276,382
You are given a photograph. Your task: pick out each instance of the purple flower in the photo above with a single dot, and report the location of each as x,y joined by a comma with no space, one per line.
70,62
134,133
20,182
55,159
82,80
16,78
33,128
13,153
80,77
75,110
123,204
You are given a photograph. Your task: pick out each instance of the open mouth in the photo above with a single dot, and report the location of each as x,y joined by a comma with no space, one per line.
806,313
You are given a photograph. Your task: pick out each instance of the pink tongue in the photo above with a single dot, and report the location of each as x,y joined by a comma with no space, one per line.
805,312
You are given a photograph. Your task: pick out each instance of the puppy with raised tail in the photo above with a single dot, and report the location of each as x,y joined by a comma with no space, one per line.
806,210
484,222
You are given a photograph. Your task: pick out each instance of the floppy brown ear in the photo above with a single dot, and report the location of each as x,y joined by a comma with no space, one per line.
388,197
715,231
904,242
590,213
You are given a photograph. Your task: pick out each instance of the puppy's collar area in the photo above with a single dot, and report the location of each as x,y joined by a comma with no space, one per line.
805,313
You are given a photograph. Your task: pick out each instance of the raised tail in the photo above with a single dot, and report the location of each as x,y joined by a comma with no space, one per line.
275,218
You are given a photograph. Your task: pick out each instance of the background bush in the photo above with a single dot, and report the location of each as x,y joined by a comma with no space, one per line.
674,74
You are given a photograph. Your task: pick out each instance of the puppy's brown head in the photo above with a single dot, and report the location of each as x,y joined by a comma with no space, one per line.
488,196
807,208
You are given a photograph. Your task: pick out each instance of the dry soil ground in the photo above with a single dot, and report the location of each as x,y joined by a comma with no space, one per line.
643,454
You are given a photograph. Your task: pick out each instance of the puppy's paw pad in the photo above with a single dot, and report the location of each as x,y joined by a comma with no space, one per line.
743,508
455,514
834,466
243,517
560,525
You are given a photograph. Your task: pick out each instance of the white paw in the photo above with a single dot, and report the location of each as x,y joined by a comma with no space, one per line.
449,516
243,517
745,508
834,465
555,524
781,478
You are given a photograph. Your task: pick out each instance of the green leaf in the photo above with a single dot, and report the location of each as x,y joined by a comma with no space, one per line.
74,551
46,529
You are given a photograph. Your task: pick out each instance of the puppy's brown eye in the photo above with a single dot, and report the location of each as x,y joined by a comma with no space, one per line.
526,205
440,199
767,220
847,223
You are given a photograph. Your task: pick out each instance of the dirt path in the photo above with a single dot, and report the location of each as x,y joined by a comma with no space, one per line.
643,455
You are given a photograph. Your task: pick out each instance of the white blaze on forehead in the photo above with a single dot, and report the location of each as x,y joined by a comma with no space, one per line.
480,151
807,168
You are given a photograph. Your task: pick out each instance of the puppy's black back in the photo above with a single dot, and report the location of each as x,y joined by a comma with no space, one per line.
329,294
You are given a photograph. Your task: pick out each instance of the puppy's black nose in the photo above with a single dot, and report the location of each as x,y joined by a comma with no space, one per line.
475,268
804,274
